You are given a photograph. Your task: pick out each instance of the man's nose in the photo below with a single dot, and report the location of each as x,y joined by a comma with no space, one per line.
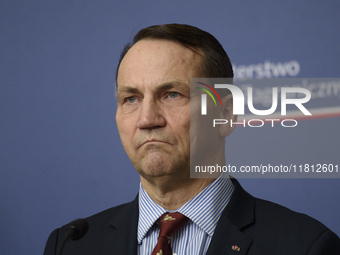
150,115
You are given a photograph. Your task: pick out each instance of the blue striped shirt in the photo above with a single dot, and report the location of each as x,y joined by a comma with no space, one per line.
203,211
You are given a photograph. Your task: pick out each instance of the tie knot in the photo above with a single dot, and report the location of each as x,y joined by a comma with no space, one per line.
170,223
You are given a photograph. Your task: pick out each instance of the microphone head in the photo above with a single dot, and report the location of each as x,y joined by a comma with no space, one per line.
78,228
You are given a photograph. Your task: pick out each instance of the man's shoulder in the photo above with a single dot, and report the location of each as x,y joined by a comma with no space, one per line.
267,213
273,222
274,217
116,211
270,213
118,223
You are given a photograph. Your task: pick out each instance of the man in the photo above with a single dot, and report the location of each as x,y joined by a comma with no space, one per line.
153,119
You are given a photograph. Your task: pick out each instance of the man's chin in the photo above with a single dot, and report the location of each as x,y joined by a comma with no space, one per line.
154,163
153,172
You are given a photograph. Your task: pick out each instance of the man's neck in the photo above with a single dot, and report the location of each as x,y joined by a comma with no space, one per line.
172,197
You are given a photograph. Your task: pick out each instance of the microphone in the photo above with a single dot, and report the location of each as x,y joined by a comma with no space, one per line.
75,230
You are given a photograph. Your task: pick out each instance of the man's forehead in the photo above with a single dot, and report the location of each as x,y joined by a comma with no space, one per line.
157,55
162,46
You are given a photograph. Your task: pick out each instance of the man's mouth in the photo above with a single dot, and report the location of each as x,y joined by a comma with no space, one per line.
151,141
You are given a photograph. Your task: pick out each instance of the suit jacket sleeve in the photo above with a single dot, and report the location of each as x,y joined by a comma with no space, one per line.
327,243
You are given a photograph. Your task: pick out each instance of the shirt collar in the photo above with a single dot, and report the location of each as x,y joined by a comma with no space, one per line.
149,213
211,200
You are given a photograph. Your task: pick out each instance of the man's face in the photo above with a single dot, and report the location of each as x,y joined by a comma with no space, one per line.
153,114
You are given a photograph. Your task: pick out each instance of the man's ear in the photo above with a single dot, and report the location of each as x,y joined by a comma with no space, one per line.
227,113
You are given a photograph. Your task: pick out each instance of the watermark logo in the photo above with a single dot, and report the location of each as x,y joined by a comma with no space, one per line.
204,97
286,96
238,99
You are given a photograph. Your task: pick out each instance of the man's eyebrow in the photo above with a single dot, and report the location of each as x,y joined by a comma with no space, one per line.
161,87
175,84
127,89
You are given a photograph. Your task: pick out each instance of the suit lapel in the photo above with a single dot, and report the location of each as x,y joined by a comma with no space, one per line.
239,213
124,225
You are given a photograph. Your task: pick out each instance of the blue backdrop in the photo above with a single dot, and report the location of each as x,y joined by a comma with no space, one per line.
60,153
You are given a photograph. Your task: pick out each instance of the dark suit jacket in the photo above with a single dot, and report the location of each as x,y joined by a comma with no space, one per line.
254,225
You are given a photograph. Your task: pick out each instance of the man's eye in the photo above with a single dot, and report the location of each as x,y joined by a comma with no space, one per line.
130,100
173,94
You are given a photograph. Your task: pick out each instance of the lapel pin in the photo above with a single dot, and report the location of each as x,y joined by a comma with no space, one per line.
235,248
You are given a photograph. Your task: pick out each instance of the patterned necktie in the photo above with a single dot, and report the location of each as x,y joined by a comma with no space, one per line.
169,224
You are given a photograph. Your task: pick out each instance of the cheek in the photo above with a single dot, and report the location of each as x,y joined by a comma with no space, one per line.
181,125
125,128
179,116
